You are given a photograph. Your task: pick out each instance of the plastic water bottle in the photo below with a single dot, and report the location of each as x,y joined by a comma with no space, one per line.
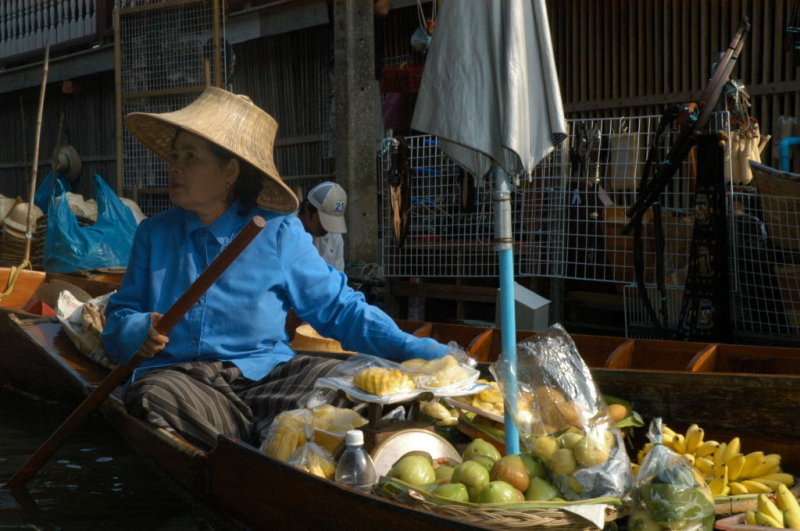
355,467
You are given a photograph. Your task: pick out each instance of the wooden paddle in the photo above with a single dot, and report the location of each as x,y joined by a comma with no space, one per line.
121,373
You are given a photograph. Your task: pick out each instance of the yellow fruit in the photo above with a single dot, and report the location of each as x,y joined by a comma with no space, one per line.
694,438
750,518
617,412
786,500
719,485
563,462
719,454
590,452
755,487
382,381
689,457
704,465
732,449
769,464
780,477
767,508
706,448
767,521
679,443
791,520
751,460
737,488
735,465
667,433
545,447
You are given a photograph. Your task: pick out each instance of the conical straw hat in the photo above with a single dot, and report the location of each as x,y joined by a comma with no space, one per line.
17,218
231,121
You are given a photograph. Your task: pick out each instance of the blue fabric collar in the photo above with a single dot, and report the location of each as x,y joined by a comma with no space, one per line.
223,228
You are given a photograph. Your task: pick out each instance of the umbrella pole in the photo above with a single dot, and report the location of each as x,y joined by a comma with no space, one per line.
504,245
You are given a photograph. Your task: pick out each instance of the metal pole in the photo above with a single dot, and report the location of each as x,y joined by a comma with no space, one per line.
504,245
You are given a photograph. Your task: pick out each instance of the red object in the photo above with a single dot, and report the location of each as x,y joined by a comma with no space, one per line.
405,78
41,308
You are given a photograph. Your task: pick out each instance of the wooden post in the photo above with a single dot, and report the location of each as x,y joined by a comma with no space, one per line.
358,124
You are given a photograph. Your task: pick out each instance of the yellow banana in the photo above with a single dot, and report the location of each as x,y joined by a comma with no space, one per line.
719,485
750,518
755,487
667,433
780,477
706,448
785,500
735,465
689,457
679,443
769,464
719,454
751,460
771,483
767,521
737,488
767,508
694,438
791,520
704,465
732,449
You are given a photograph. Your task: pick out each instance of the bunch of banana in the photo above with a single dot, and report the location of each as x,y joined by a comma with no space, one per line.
784,513
722,464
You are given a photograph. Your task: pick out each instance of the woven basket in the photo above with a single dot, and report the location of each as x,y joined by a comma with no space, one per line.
494,517
779,193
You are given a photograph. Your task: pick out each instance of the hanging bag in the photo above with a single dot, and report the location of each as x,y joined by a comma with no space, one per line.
107,243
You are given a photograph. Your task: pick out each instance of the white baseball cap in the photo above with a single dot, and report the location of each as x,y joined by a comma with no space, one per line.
330,200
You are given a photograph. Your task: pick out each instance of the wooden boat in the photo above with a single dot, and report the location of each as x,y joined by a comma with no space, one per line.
16,362
750,392
730,390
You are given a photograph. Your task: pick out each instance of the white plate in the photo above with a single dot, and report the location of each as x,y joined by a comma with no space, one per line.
395,446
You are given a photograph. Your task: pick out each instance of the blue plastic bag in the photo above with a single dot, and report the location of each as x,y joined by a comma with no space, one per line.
107,243
42,196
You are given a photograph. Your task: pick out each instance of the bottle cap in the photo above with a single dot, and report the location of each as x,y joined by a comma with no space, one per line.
354,438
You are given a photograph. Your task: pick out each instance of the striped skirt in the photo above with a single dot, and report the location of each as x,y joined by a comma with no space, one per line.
203,399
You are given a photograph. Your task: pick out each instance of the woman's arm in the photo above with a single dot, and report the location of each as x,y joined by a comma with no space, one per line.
320,295
128,319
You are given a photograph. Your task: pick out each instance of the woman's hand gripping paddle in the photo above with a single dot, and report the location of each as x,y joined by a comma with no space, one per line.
121,373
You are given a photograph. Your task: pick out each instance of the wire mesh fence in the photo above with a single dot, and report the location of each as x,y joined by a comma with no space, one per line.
166,60
767,222
451,227
575,207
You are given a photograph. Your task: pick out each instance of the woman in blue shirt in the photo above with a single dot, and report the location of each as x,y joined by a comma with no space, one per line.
227,367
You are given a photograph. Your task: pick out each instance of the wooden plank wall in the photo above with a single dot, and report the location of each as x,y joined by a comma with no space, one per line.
290,75
88,120
634,57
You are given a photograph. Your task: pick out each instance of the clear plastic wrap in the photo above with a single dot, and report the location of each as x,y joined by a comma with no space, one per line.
562,418
441,377
84,322
313,458
327,425
668,493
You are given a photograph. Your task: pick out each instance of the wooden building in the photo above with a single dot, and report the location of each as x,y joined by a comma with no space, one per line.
315,65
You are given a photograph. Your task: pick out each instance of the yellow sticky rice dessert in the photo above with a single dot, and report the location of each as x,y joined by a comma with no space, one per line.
440,372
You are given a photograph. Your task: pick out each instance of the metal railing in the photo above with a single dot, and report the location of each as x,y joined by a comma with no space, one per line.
26,25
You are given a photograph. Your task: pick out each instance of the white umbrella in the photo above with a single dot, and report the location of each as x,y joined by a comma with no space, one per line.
490,93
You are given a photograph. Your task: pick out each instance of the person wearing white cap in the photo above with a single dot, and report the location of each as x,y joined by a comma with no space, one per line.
322,214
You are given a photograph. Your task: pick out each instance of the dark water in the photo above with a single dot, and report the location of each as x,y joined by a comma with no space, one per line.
94,482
